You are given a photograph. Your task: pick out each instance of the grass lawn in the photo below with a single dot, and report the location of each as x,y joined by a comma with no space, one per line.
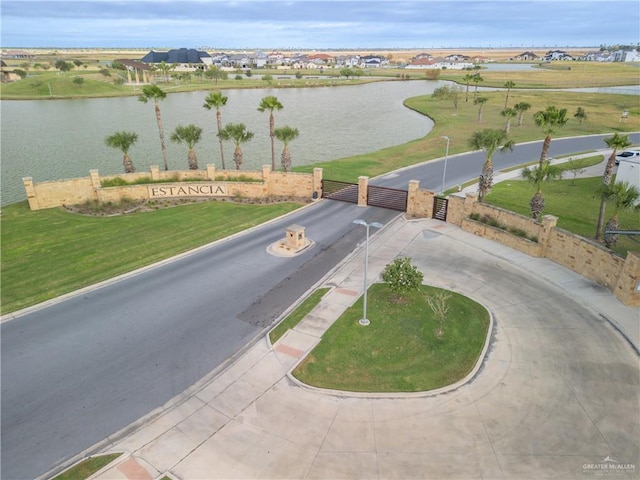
399,351
298,314
50,252
575,203
87,467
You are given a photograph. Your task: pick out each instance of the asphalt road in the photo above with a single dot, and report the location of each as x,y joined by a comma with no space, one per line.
79,370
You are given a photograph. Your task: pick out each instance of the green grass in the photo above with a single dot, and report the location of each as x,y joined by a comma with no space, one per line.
297,315
47,253
399,351
87,467
575,203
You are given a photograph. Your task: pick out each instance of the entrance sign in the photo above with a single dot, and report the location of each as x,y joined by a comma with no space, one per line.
196,190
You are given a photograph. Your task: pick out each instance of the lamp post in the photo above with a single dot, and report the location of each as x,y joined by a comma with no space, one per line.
364,320
446,157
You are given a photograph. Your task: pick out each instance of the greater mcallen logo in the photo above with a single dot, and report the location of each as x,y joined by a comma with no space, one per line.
608,464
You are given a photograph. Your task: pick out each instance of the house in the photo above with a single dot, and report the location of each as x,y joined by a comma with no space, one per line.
455,57
18,55
183,57
438,63
526,57
423,56
557,55
7,75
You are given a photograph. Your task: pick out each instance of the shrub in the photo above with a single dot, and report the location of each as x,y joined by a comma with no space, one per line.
401,276
113,182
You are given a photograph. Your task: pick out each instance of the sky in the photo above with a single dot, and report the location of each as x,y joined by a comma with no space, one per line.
311,24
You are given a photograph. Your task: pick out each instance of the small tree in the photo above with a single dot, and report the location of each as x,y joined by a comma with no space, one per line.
401,276
623,197
576,169
123,141
580,114
439,303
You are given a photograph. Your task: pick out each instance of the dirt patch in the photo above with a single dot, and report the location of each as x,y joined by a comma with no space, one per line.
110,209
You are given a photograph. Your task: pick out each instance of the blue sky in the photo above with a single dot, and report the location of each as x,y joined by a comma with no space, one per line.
309,24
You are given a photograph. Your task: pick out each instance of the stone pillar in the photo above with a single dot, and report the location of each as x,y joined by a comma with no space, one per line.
548,222
627,288
155,172
317,183
266,178
211,172
412,198
363,187
31,193
95,179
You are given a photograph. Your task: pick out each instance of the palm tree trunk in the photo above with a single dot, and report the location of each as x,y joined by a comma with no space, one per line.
486,180
237,157
286,159
606,180
273,144
193,159
520,118
536,205
161,130
610,239
219,122
128,164
545,150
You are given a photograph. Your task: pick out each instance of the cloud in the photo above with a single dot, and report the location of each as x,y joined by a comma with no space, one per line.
317,24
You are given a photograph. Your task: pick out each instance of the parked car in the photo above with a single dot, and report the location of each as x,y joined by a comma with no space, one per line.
626,155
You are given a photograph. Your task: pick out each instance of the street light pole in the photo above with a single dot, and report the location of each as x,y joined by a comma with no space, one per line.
446,157
364,320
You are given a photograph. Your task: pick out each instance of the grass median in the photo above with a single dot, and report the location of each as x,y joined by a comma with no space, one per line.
50,252
400,350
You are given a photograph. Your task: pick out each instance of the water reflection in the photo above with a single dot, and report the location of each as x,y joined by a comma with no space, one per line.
50,140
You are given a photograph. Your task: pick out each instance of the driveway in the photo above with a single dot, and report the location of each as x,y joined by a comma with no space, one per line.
556,395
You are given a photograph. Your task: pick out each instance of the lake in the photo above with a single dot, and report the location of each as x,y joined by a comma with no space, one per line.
56,139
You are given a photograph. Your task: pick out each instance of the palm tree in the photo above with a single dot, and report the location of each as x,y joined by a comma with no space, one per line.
549,120
217,100
467,79
580,114
286,134
521,107
189,135
508,113
476,79
538,176
155,93
508,85
239,134
624,197
271,103
123,141
489,140
616,142
480,101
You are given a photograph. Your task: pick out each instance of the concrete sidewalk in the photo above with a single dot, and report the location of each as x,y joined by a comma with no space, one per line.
527,414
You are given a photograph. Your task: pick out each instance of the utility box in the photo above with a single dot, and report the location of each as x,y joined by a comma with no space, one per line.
294,238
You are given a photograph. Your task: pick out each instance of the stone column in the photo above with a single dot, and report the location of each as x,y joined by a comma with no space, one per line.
95,179
266,178
211,172
363,187
31,193
548,222
317,182
627,288
155,172
412,198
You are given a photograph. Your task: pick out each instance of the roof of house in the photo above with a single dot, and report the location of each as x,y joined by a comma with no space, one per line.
180,55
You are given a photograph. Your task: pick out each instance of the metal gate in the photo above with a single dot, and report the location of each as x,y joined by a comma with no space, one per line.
440,208
385,197
343,191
